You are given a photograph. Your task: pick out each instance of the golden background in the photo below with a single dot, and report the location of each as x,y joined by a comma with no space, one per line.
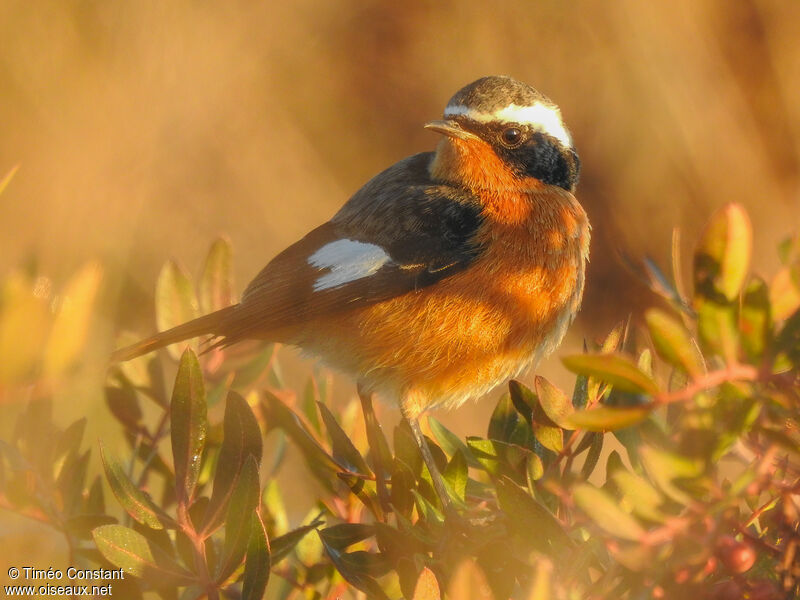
143,130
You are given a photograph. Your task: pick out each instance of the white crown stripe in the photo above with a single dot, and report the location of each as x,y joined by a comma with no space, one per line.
546,119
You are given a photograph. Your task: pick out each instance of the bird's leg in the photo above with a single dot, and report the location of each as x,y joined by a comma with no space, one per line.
436,477
376,445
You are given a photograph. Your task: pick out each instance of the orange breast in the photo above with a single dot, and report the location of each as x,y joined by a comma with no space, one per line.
462,336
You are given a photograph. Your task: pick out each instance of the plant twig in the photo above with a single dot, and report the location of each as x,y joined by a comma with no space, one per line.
734,372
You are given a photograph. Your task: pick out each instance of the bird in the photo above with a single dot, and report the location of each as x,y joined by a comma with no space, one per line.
445,275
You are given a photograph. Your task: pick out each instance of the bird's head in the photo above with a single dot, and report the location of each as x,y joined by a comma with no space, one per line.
502,133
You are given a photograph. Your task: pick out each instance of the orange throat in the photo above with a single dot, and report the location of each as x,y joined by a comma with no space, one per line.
474,165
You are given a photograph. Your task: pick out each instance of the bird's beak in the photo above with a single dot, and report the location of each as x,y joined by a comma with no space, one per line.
450,128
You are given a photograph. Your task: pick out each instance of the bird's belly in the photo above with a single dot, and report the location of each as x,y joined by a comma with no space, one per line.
456,340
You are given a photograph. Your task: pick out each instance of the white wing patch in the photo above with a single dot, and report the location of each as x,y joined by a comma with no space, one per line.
348,260
540,116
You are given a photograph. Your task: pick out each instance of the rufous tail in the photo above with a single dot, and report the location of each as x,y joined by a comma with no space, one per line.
210,324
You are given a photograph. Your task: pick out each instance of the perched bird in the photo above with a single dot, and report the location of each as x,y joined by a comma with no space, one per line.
445,275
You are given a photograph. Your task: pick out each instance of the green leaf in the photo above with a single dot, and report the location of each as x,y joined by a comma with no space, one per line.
124,405
406,449
788,339
70,327
615,369
379,451
784,292
189,425
595,448
755,321
643,497
81,525
580,393
257,562
65,459
405,540
281,546
95,501
69,441
241,509
135,502
527,404
160,538
345,453
551,438
672,341
374,564
427,587
615,338
309,404
554,402
242,439
430,514
455,476
216,282
402,482
71,480
354,568
608,418
534,469
645,362
528,515
318,460
545,431
449,441
614,463
722,258
132,552
664,468
155,382
197,512
185,549
488,453
605,511
342,535
503,421
716,324
175,300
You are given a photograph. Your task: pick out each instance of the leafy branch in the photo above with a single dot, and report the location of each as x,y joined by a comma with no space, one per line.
671,470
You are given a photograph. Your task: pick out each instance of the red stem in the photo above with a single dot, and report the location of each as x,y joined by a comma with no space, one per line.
734,372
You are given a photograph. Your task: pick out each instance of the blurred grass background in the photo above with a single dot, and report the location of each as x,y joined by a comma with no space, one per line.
145,129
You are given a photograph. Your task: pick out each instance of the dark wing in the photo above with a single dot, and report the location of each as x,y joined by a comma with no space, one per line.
397,234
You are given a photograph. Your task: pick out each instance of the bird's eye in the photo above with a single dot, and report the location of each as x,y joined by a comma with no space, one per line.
511,136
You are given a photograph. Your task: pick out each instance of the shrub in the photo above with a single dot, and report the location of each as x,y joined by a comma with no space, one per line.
671,470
